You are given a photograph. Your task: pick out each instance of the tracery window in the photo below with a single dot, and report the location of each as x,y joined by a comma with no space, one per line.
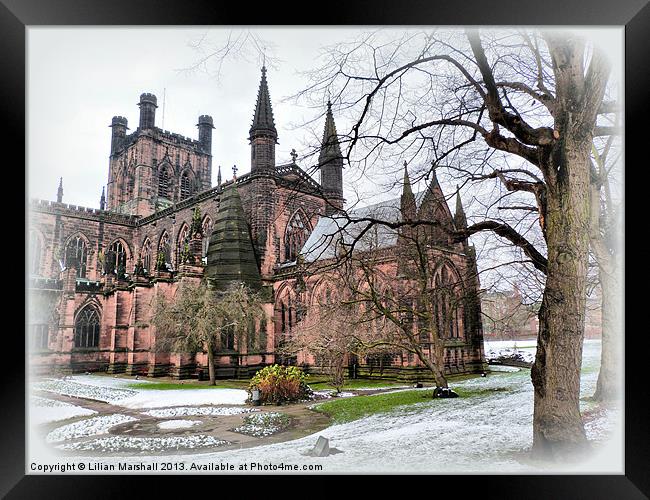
120,256
164,183
295,236
145,255
76,253
207,231
447,304
183,239
35,250
186,186
86,328
164,248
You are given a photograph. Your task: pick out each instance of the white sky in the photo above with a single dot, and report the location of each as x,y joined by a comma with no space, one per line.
79,78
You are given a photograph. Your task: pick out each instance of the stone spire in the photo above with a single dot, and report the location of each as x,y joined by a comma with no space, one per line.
330,162
263,119
59,193
407,201
263,135
231,258
102,200
219,176
330,148
459,218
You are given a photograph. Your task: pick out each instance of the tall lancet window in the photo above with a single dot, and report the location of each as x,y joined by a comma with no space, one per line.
145,255
164,248
86,328
186,186
295,236
207,231
120,256
164,183
76,253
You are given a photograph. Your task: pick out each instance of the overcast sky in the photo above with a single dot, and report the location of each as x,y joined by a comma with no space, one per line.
78,78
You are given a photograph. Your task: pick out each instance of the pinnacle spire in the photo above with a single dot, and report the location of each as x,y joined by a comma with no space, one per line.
102,200
330,148
59,193
219,176
408,207
459,218
263,122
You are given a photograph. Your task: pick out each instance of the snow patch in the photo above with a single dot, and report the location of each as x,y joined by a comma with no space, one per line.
184,397
81,390
178,424
89,427
142,444
43,411
185,411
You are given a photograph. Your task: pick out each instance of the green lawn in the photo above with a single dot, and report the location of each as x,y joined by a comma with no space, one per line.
353,408
319,384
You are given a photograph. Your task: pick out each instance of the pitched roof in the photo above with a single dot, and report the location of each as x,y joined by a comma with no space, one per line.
325,240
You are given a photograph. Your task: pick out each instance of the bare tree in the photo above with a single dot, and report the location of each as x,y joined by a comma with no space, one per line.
606,221
525,100
330,332
200,318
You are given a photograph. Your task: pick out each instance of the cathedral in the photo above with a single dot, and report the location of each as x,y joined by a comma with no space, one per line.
93,272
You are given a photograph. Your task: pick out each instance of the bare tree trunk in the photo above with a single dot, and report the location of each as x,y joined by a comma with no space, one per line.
211,366
558,430
609,387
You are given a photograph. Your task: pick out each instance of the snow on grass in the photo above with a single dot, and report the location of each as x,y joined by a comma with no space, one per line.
509,349
185,411
83,390
89,427
264,424
184,397
178,424
110,390
144,444
43,410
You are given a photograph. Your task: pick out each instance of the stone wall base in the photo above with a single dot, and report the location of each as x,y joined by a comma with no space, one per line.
116,367
133,369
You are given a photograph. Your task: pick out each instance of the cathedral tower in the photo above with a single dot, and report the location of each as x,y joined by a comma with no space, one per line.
262,135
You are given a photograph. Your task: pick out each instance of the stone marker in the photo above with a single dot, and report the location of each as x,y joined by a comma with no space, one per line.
322,448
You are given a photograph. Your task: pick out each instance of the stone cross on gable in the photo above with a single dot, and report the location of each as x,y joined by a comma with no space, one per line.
294,155
234,171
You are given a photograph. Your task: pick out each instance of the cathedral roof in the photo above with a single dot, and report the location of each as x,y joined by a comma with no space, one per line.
263,119
325,239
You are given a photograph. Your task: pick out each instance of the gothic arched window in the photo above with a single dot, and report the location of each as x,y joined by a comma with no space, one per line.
186,185
164,183
164,248
35,250
145,255
295,236
120,256
447,303
86,328
76,253
207,231
183,239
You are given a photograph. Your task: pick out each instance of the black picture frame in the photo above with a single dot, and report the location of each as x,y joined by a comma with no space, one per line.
16,15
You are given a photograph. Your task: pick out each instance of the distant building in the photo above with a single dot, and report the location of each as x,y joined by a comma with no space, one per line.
93,272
